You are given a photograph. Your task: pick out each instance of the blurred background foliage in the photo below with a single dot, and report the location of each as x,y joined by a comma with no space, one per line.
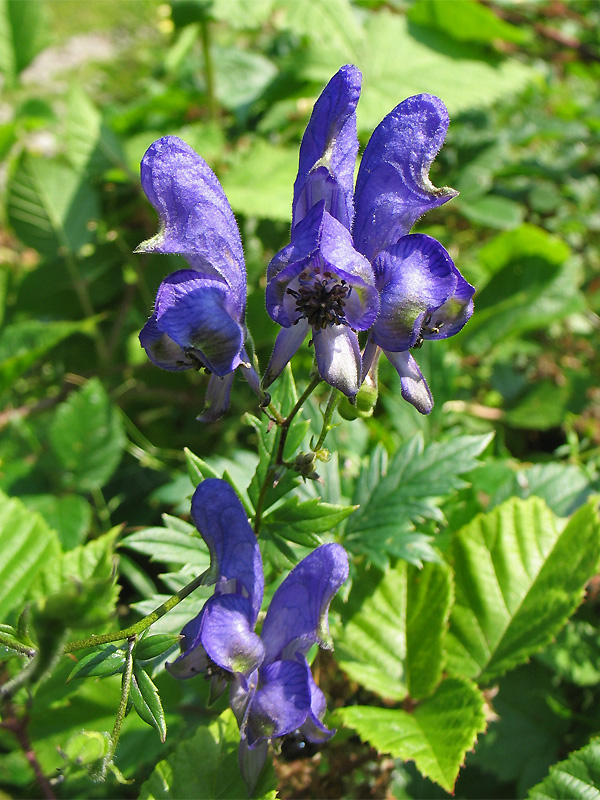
91,434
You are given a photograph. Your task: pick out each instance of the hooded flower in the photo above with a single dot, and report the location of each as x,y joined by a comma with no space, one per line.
198,319
272,691
421,294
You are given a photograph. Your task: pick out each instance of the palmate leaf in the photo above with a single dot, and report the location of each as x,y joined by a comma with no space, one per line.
206,766
295,518
577,778
436,736
410,489
393,628
518,578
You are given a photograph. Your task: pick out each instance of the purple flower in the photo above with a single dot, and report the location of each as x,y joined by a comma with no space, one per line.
421,294
198,319
272,691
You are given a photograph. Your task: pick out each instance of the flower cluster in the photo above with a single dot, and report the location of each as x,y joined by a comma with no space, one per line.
272,691
352,264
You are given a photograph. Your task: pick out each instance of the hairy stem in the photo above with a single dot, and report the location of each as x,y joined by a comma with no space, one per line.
332,403
122,707
139,627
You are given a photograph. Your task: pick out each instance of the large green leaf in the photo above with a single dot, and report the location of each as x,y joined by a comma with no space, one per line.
533,283
206,766
398,61
87,437
294,518
26,546
518,578
577,778
436,736
394,498
24,343
393,628
91,146
467,21
50,205
23,33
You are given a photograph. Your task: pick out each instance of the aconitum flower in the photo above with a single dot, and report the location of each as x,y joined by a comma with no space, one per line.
422,295
198,319
272,691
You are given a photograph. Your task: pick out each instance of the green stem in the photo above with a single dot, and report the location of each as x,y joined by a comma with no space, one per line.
122,707
332,403
278,461
16,647
208,69
139,627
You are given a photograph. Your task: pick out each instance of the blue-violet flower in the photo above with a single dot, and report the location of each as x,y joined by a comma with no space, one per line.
272,691
198,318
421,294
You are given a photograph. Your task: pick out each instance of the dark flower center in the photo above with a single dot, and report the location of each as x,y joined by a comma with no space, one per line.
321,298
436,327
215,671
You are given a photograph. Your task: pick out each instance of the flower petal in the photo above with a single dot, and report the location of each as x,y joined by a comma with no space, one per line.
313,729
282,701
252,761
453,315
193,659
286,344
228,636
329,149
297,616
338,358
413,385
195,312
393,188
415,277
162,350
216,401
234,552
196,219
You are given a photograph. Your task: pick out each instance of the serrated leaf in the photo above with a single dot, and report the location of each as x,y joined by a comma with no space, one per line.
101,663
436,736
206,766
146,701
513,592
23,344
576,778
308,516
152,646
26,546
49,206
87,437
410,490
198,469
70,516
170,547
467,21
393,629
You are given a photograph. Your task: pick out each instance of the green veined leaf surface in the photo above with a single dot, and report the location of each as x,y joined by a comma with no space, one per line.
577,778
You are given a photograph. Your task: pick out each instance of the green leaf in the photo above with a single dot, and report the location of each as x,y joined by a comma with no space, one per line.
410,490
146,701
259,183
80,586
575,655
241,76
26,544
393,628
100,663
492,210
467,21
24,344
396,64
23,33
436,736
513,593
90,146
88,437
70,516
576,778
50,205
170,547
534,282
206,766
152,646
309,516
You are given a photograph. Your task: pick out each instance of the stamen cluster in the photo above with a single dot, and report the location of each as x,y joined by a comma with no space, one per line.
321,301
